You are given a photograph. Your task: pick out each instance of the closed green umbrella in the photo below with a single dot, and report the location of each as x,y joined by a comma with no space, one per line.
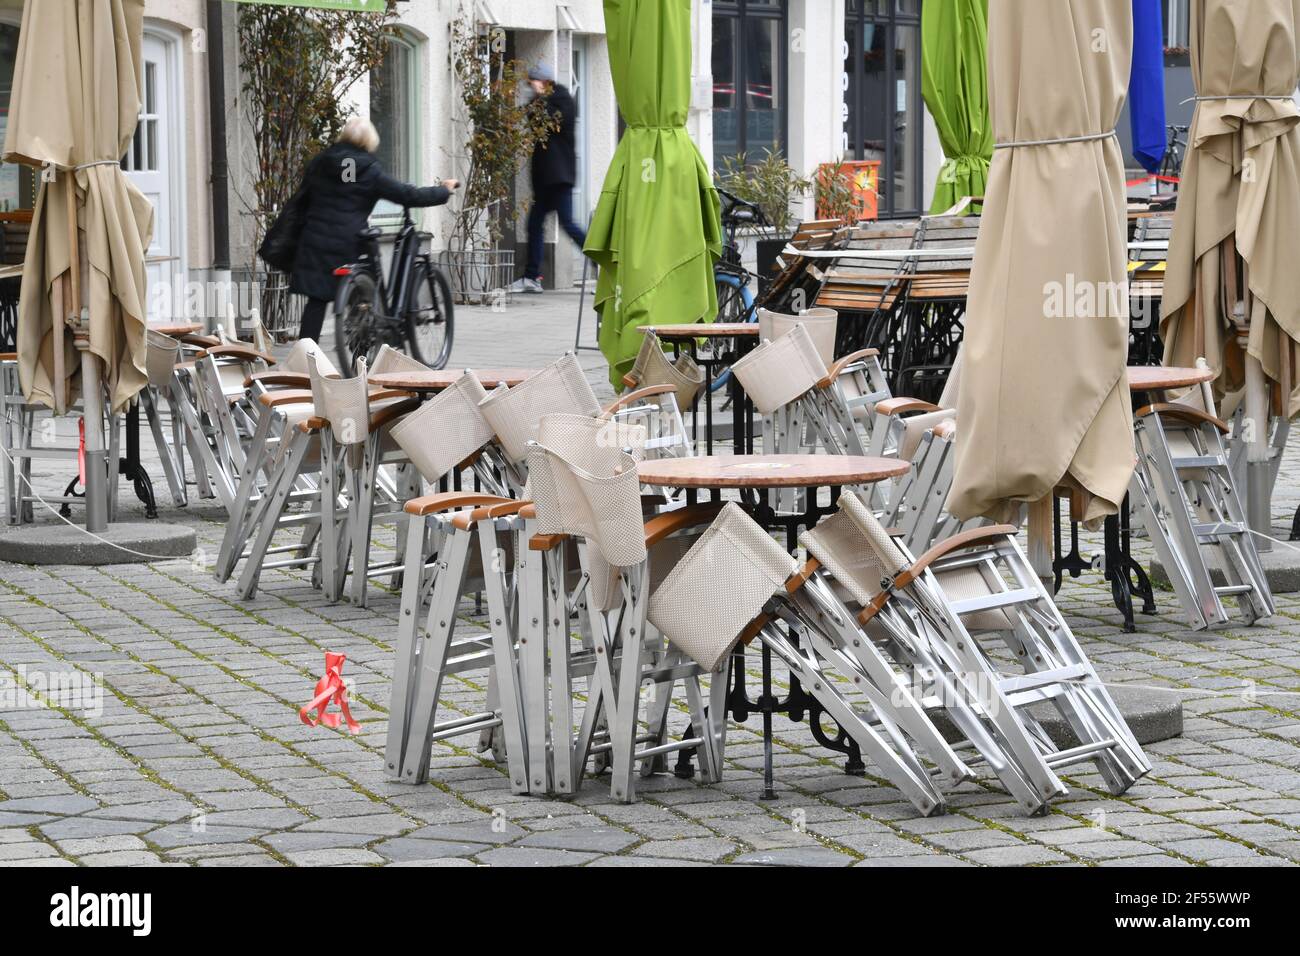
954,82
656,232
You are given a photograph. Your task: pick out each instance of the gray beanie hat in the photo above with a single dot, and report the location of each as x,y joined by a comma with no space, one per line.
540,71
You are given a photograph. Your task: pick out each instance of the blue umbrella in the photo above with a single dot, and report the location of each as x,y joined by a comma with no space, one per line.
1146,86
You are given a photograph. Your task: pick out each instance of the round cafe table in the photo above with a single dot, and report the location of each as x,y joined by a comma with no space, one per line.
435,380
727,342
757,478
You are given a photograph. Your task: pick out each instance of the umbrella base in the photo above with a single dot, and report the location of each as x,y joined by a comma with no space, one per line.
1281,566
124,543
1151,715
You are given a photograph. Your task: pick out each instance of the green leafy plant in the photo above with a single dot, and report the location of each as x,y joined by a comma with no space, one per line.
771,184
836,196
502,130
298,65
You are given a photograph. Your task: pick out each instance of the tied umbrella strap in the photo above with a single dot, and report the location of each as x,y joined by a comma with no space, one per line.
81,451
330,689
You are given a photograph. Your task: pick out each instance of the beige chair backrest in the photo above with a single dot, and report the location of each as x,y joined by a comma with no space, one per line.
914,430
820,322
390,359
583,481
516,413
344,402
303,354
653,367
722,584
950,388
777,372
854,548
446,429
160,358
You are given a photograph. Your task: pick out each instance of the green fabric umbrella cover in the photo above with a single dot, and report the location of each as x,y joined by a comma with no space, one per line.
954,82
656,232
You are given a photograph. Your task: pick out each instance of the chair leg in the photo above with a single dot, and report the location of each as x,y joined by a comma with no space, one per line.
276,499
405,658
171,471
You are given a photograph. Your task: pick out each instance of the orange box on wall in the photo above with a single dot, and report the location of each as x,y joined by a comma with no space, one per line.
864,175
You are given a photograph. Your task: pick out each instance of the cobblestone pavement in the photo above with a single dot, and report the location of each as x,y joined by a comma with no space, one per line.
195,754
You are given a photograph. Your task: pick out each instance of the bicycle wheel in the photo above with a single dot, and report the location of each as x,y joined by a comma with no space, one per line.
354,324
731,298
430,319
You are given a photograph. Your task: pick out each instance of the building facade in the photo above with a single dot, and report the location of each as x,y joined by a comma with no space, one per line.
819,80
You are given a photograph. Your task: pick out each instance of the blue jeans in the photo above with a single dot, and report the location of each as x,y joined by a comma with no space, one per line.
552,199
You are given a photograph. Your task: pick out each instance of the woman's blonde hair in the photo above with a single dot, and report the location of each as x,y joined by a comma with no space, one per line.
361,133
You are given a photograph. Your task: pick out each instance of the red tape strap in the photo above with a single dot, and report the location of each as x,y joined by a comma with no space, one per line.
330,689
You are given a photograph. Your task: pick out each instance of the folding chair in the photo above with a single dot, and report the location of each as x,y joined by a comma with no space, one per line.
582,475
1186,498
653,367
938,616
516,413
820,322
469,557
285,402
655,408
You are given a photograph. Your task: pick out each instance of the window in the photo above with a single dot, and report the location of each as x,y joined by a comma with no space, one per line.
142,155
578,87
394,109
749,77
17,183
882,97
1177,19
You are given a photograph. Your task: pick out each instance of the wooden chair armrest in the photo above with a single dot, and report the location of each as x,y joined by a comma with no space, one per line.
670,522
958,542
946,430
901,405
1185,413
627,398
753,628
290,379
842,363
291,396
797,580
8,356
630,380
449,500
546,542
241,352
467,518
198,340
313,424
386,416
384,394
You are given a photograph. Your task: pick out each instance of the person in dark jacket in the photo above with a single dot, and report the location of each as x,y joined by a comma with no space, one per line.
343,184
555,171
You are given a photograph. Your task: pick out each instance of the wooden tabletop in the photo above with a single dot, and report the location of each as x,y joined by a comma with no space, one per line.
1156,378
436,381
176,330
769,471
703,330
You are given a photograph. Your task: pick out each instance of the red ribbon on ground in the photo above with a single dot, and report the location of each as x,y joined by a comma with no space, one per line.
330,689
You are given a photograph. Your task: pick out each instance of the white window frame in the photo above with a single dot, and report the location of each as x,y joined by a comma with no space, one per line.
387,216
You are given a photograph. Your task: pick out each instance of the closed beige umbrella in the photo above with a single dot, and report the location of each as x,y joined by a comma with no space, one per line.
73,111
1232,285
1043,391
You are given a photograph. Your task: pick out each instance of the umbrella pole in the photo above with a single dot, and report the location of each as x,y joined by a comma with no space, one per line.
92,392
1039,535
1258,471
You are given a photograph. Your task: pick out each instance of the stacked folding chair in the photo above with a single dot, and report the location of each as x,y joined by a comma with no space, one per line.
1186,498
161,354
583,480
941,618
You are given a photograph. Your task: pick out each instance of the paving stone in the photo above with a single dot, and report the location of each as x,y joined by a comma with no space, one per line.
594,839
532,856
406,849
796,856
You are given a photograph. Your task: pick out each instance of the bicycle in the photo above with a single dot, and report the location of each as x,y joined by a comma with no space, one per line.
411,310
1171,166
730,277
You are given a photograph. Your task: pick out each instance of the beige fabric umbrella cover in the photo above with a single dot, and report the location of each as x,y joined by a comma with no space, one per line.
1241,175
76,100
1043,388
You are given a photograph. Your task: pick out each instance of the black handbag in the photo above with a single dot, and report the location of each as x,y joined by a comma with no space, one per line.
280,246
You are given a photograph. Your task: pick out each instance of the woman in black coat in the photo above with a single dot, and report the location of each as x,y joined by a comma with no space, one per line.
343,184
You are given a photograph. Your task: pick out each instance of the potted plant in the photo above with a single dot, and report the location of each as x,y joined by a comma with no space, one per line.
773,186
500,131
846,192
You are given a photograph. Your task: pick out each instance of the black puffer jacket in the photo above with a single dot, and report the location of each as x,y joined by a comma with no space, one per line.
555,162
344,182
